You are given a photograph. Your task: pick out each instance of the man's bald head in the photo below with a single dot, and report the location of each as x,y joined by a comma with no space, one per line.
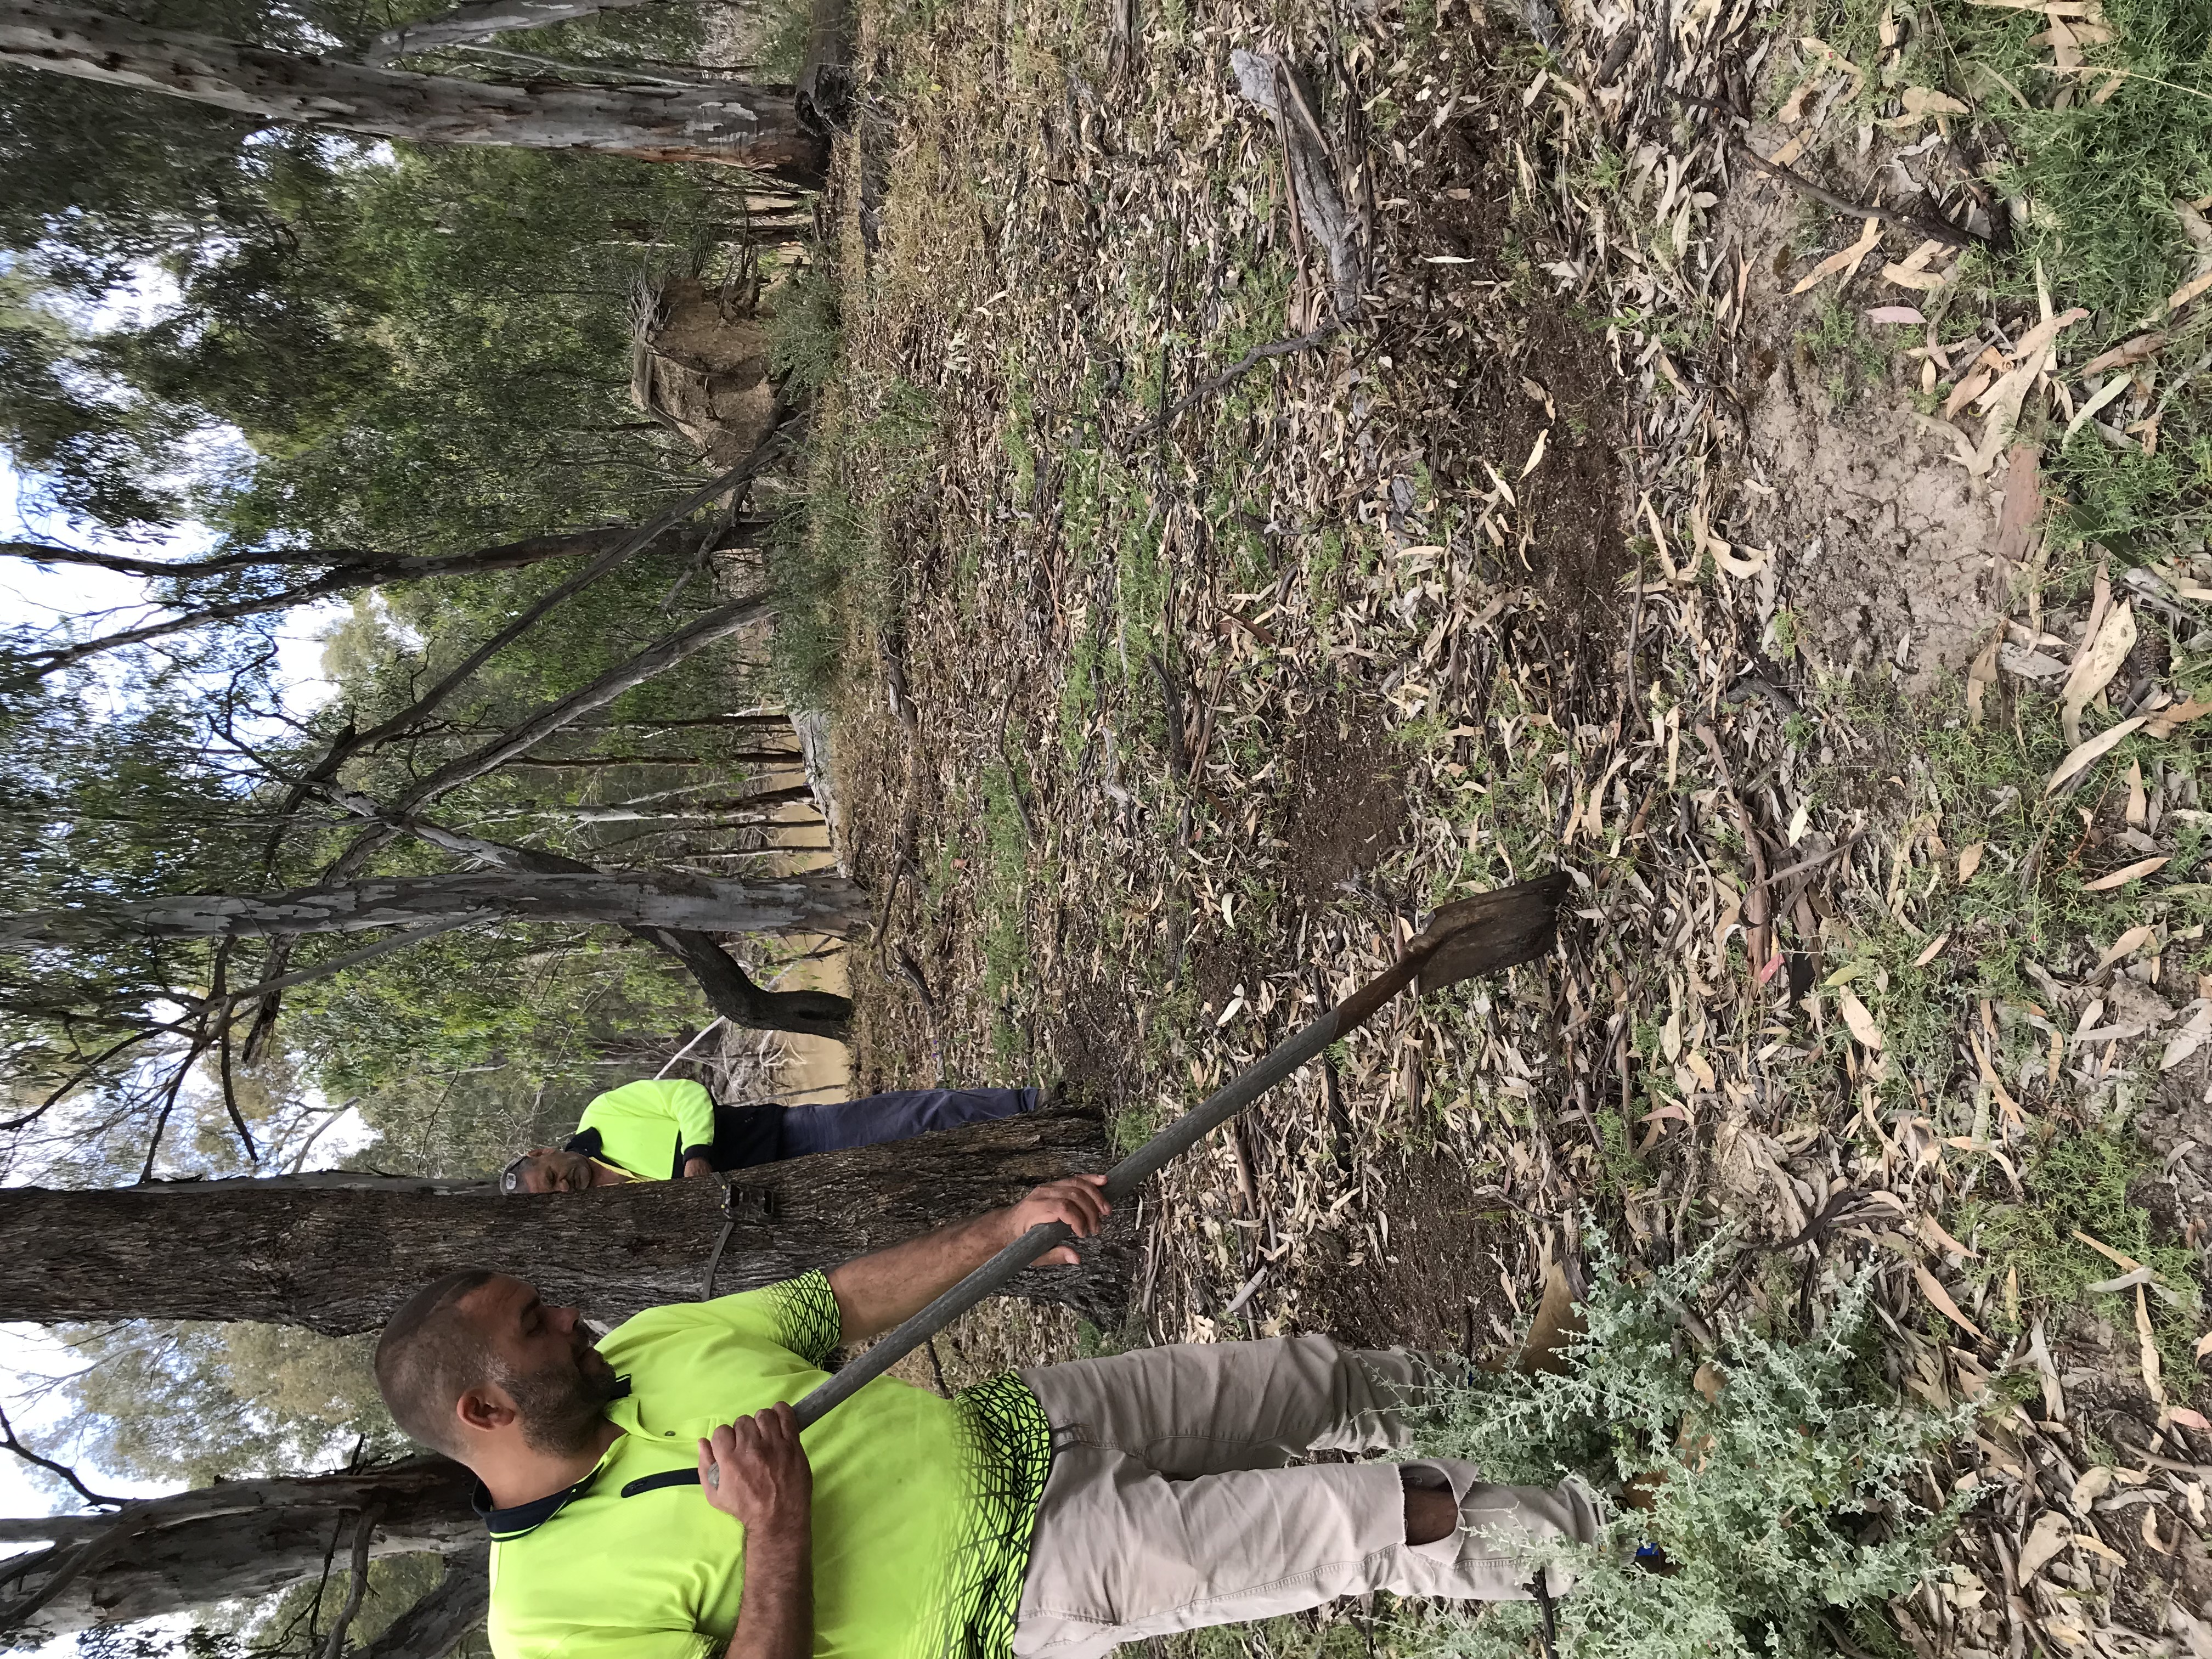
431,1353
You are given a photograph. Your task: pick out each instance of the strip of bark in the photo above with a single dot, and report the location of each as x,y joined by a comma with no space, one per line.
1941,230
725,124
813,902
480,22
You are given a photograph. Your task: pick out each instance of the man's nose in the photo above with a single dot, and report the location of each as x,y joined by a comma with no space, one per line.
564,1319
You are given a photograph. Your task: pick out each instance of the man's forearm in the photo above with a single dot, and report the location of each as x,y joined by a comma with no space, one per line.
776,1615
875,1292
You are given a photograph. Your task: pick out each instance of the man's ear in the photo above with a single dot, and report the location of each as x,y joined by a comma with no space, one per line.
485,1410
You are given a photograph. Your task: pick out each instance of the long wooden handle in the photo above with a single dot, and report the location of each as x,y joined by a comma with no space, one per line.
1121,1180
1475,936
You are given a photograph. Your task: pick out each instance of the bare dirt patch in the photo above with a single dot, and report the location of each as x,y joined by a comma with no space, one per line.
1437,1278
1345,808
1882,540
1534,377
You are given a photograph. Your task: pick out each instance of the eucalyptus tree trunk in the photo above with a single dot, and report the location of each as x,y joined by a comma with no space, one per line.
811,902
724,123
341,1260
163,1556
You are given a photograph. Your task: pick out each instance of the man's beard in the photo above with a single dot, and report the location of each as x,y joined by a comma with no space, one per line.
560,1403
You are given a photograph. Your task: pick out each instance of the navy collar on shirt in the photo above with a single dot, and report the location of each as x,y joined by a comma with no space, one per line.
519,1518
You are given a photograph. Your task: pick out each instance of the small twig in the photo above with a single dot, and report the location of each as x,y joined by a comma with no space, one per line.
1942,230
1171,701
1251,360
1816,861
1290,183
222,1053
169,1104
364,1532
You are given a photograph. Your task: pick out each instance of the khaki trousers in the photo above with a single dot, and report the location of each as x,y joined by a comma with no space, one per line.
1173,1502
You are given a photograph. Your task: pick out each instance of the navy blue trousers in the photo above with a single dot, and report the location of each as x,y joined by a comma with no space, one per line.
836,1124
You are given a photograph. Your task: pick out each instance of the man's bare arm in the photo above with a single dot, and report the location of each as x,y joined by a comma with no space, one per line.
755,1471
875,1292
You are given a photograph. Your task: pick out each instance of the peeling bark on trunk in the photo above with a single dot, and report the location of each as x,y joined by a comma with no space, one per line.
809,903
248,1538
727,123
341,1261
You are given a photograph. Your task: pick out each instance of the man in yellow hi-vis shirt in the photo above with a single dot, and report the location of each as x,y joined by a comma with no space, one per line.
649,1496
665,1128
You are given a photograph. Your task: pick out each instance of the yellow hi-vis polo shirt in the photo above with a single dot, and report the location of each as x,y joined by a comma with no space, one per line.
923,1507
648,1129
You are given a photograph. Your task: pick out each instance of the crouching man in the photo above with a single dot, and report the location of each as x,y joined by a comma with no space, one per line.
664,1129
649,1496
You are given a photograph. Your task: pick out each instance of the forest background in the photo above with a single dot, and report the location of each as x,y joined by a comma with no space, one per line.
228,348
1761,467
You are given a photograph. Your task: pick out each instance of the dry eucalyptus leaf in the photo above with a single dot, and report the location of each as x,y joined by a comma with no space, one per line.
2093,1484
1932,1288
2121,877
1976,383
1846,262
2092,751
2125,945
2147,1347
2163,723
2097,1546
2048,1537
1920,103
2123,355
1860,1022
1932,1232
2189,1039
2094,671
1969,860
2188,291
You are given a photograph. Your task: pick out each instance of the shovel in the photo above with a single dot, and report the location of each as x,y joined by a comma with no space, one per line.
1471,937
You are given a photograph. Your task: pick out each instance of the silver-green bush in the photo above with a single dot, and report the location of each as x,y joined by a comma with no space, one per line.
1787,1507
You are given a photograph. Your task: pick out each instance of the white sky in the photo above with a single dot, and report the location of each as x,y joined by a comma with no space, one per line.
39,599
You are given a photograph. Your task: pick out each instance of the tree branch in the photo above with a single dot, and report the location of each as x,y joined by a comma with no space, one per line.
11,1442
729,989
364,1532
361,570
480,21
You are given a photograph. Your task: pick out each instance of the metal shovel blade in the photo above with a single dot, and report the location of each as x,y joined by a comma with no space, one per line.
1491,931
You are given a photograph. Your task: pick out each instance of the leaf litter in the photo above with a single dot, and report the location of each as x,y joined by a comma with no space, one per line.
1485,560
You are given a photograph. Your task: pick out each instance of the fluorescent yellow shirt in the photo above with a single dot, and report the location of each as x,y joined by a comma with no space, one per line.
923,1507
647,1129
